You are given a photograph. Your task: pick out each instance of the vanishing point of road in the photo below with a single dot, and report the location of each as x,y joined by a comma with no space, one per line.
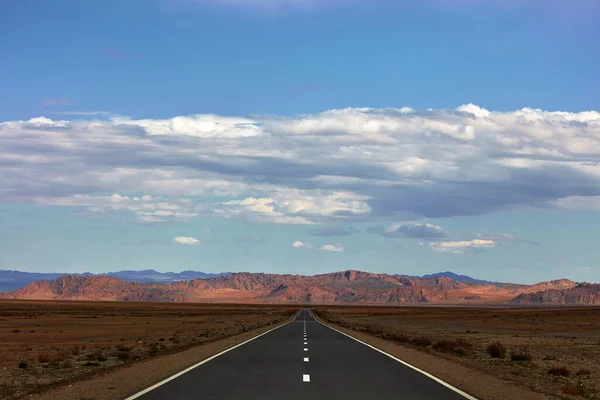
303,359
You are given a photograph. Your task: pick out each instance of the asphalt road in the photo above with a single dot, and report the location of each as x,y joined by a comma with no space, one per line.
302,360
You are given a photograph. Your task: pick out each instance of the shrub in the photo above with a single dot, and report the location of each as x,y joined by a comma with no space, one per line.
91,364
66,364
496,349
559,371
583,371
521,354
23,364
421,341
399,337
43,358
123,356
458,346
571,389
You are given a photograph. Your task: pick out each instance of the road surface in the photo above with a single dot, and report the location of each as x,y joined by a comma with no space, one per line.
301,360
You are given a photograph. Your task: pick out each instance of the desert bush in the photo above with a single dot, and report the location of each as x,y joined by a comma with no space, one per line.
559,371
47,357
583,371
91,364
16,331
399,337
421,341
66,364
97,356
43,358
123,356
496,349
458,346
23,364
520,354
123,348
573,390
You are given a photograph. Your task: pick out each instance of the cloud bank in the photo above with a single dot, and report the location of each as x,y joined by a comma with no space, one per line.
355,164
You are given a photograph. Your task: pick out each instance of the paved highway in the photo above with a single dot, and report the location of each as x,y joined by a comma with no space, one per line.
301,360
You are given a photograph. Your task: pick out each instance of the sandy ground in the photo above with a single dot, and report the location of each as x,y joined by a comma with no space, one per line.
567,339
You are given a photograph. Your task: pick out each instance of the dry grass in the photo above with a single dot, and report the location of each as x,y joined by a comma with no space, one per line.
60,341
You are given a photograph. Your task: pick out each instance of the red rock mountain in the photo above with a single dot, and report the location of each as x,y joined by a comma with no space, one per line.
346,287
584,293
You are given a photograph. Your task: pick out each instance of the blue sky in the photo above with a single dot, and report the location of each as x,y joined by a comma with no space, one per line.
302,137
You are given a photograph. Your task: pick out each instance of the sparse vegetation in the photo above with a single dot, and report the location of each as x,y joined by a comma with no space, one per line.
458,346
521,354
421,341
68,340
571,389
559,371
583,372
496,349
531,340
91,364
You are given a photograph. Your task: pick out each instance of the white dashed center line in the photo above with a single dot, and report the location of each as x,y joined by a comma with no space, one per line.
305,343
305,359
306,378
305,349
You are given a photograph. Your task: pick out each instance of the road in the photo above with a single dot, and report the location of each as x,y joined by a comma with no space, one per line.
302,360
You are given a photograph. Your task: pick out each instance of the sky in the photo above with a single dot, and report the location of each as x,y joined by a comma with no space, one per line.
301,136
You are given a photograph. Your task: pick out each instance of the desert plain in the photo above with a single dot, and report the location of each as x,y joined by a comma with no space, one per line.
551,351
46,344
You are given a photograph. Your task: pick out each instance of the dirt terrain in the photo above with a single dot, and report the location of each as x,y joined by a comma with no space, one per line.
554,351
44,343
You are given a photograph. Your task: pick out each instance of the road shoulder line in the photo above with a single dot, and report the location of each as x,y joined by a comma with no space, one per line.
427,374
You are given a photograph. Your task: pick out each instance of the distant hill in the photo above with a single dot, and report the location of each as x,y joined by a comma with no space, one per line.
583,293
13,280
451,275
344,287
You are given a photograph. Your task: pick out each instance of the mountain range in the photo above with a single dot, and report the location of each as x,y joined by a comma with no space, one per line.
13,280
345,287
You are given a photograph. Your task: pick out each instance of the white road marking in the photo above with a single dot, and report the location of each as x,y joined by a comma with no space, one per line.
305,349
427,374
177,375
305,378
305,359
305,343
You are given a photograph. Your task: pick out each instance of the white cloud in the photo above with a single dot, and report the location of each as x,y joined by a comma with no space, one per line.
350,164
187,240
300,245
332,247
459,246
338,248
410,230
